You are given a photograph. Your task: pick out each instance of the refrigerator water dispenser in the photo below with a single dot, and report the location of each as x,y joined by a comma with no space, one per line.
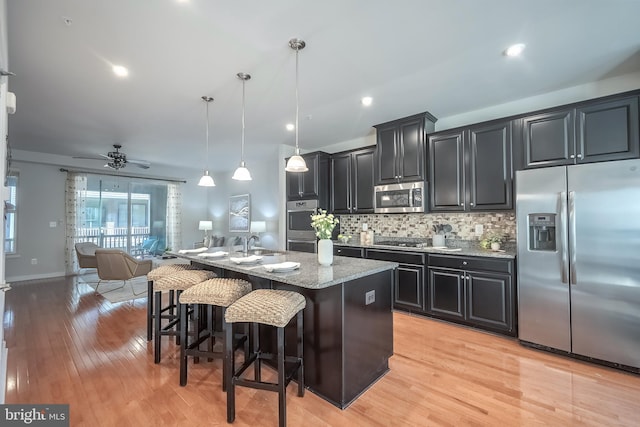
542,232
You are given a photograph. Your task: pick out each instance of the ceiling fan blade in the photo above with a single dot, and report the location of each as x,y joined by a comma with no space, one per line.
98,157
140,163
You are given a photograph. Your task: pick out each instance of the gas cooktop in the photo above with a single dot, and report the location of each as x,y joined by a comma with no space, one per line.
400,244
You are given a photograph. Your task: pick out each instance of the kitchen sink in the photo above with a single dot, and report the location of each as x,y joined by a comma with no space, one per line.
264,252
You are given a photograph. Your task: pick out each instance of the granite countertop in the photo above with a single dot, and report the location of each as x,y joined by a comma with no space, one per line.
310,274
456,247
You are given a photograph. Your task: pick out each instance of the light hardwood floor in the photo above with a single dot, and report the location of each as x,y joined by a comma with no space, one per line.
68,344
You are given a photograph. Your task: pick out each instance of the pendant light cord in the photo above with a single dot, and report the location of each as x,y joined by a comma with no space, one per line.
297,101
242,145
206,166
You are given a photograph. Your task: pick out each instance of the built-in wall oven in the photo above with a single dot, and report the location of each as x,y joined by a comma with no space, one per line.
300,235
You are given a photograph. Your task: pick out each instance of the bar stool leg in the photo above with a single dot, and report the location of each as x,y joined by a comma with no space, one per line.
300,353
257,364
157,319
150,313
228,374
184,330
282,386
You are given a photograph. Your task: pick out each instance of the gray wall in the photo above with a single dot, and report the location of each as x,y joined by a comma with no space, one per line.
41,200
41,186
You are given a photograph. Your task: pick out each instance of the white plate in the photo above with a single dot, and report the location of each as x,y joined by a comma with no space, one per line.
217,254
283,267
193,251
253,259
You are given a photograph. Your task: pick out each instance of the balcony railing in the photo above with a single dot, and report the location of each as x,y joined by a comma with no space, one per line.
115,237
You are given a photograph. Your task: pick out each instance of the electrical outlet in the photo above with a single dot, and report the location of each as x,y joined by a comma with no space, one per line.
370,297
479,229
34,261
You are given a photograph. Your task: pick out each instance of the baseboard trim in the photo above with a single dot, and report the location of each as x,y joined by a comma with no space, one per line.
35,277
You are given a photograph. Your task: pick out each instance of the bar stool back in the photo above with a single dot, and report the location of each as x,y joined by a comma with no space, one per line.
155,274
176,282
217,292
267,307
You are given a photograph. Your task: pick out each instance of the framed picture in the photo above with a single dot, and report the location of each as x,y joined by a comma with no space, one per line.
239,210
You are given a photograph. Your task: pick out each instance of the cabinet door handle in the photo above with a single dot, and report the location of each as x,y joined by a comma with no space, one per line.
462,277
572,156
462,204
464,262
471,204
579,156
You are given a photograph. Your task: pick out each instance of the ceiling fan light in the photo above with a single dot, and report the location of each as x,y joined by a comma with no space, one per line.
296,164
242,173
206,180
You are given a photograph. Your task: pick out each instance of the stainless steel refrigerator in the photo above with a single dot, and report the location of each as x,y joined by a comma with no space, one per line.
579,259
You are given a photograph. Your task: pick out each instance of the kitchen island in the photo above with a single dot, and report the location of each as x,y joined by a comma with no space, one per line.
348,322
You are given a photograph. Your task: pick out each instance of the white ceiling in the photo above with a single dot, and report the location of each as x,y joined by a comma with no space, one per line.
441,56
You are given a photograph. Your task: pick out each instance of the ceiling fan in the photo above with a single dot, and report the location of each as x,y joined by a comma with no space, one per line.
116,159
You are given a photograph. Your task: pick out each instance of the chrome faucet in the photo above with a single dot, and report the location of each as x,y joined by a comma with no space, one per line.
247,242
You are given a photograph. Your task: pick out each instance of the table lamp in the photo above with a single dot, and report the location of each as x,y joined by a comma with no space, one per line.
206,226
258,226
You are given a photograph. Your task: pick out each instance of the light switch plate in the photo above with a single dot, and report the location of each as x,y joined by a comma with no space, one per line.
479,229
53,224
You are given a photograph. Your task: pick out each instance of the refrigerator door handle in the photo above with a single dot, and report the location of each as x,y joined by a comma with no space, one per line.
562,208
572,237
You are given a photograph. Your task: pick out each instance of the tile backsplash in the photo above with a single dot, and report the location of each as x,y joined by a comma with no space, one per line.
420,225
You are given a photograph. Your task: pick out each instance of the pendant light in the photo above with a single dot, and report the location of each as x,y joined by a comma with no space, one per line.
242,173
296,163
207,180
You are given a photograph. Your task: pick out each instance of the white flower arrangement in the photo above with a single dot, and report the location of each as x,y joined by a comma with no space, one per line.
323,224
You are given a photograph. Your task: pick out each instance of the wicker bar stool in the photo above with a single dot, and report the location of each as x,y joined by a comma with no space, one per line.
267,307
177,282
155,274
218,292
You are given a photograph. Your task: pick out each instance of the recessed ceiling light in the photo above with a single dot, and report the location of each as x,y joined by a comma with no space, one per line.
290,126
514,50
120,71
366,101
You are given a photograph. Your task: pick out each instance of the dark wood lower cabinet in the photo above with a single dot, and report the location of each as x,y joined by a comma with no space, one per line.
489,300
408,292
446,293
475,291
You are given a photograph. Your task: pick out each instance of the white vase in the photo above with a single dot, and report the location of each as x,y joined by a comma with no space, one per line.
495,246
325,252
438,240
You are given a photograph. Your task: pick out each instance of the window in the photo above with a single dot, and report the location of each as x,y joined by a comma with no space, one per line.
10,216
121,213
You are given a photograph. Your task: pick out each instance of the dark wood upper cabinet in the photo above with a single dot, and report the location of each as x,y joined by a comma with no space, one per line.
313,184
607,131
400,155
470,169
447,171
490,176
594,131
352,181
548,139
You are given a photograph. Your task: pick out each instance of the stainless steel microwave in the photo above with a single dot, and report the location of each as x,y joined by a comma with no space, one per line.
400,198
